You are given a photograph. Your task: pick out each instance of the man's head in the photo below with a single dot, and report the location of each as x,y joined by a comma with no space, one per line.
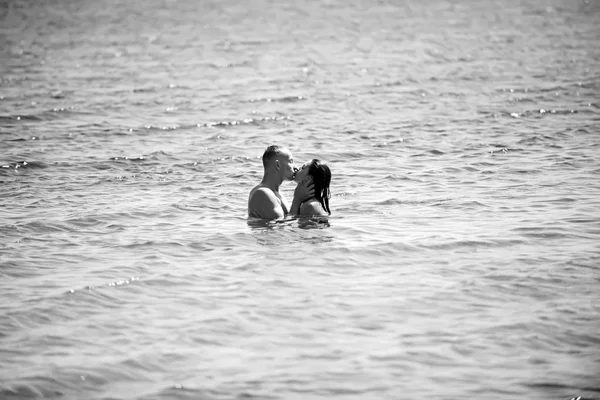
279,160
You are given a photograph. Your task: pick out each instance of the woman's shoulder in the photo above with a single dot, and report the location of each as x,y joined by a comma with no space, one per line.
312,207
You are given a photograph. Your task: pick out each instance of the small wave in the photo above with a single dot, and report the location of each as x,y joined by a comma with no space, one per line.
120,282
552,387
22,117
179,391
313,223
217,124
536,113
13,80
154,156
46,115
226,159
29,391
474,244
133,159
144,90
14,166
163,127
285,99
245,121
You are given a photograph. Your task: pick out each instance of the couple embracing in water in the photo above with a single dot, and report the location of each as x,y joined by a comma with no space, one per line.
311,196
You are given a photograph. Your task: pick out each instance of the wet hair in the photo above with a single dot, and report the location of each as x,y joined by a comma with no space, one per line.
321,176
271,152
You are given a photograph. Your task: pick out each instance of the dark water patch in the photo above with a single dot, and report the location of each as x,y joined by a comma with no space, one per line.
470,204
485,164
152,244
593,263
30,390
23,139
102,166
313,223
80,223
431,202
470,169
473,244
545,234
59,94
343,156
7,118
503,148
526,171
285,99
553,387
427,154
183,391
580,220
395,177
39,117
42,227
559,200
593,84
144,90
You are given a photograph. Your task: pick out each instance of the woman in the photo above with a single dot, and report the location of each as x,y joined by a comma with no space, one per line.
321,177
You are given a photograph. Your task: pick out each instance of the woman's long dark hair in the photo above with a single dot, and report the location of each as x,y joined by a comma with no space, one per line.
321,176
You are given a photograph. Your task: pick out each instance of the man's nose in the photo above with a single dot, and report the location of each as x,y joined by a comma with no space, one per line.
295,170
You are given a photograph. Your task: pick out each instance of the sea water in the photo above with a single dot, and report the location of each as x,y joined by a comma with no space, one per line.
461,259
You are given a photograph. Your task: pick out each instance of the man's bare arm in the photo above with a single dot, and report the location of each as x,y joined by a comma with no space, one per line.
304,191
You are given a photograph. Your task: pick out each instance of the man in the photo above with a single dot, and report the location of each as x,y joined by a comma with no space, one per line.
264,200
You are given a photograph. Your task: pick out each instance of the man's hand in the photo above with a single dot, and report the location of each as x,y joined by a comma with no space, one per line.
305,190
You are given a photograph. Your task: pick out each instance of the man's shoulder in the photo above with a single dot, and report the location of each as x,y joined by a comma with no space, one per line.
264,203
261,192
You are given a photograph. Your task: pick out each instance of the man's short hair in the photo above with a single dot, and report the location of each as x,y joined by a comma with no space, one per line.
271,152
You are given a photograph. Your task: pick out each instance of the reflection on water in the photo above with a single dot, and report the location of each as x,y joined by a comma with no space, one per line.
315,222
319,222
291,233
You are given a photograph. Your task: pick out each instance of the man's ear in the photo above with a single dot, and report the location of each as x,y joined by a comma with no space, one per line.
277,164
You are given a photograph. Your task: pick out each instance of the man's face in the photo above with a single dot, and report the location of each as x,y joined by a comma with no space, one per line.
286,165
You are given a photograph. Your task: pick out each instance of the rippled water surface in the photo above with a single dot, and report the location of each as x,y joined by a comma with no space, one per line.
462,256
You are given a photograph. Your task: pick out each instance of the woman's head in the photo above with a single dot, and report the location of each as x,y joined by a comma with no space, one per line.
321,177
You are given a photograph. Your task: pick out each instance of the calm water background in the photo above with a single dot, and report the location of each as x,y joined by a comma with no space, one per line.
462,256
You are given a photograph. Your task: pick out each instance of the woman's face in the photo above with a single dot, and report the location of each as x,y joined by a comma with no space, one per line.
302,172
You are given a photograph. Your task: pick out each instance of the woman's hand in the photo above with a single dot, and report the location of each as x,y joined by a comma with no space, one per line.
305,190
